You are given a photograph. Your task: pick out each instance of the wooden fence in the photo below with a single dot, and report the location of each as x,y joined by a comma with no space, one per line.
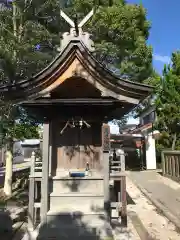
171,164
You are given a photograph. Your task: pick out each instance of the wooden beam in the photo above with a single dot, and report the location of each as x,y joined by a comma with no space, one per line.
45,173
124,202
122,157
106,148
31,194
31,203
106,184
106,138
71,101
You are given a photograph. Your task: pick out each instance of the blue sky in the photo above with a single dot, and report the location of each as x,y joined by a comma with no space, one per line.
164,16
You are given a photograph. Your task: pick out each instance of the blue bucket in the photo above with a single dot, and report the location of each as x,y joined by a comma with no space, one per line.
77,174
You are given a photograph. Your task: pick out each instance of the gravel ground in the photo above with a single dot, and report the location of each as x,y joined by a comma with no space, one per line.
159,227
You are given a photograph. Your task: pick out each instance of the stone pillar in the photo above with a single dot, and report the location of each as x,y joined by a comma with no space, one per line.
106,149
150,152
50,149
121,154
45,173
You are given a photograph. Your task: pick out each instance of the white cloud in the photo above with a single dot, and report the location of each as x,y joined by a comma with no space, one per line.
160,58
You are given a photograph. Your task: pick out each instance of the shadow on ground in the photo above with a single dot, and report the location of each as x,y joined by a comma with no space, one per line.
160,173
75,226
114,192
6,230
78,226
129,200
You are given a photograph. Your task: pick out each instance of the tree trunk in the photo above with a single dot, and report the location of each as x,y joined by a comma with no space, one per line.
174,141
8,174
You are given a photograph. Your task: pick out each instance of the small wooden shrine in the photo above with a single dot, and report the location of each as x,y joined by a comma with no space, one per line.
75,96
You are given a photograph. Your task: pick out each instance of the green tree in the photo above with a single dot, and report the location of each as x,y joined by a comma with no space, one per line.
121,123
21,51
26,46
14,124
30,32
167,104
29,36
120,31
155,81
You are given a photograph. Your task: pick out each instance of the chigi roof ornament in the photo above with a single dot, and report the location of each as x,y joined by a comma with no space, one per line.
76,32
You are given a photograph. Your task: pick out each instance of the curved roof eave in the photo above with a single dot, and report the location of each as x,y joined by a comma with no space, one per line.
76,49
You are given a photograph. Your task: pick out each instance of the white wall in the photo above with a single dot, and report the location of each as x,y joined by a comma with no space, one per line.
150,152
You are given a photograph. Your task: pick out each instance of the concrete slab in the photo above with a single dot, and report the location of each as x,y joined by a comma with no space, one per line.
165,197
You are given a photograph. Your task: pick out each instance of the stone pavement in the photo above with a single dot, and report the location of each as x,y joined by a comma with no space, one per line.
162,192
148,221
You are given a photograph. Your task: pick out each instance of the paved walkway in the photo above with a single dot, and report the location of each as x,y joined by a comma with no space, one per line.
149,223
163,192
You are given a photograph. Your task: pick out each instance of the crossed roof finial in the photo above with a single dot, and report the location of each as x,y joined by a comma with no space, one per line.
76,31
72,23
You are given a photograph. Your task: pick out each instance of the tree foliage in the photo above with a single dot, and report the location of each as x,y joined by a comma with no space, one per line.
30,36
16,124
167,104
26,46
121,122
119,31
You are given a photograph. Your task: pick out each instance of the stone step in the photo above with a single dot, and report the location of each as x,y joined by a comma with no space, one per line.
65,217
115,162
85,185
79,202
115,167
76,210
76,194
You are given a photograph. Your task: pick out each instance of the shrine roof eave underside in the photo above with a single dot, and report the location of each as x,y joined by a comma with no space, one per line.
91,109
76,61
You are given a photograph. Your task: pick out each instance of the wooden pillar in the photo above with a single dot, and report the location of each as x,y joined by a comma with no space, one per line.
50,160
106,149
31,194
163,164
122,157
45,174
123,201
